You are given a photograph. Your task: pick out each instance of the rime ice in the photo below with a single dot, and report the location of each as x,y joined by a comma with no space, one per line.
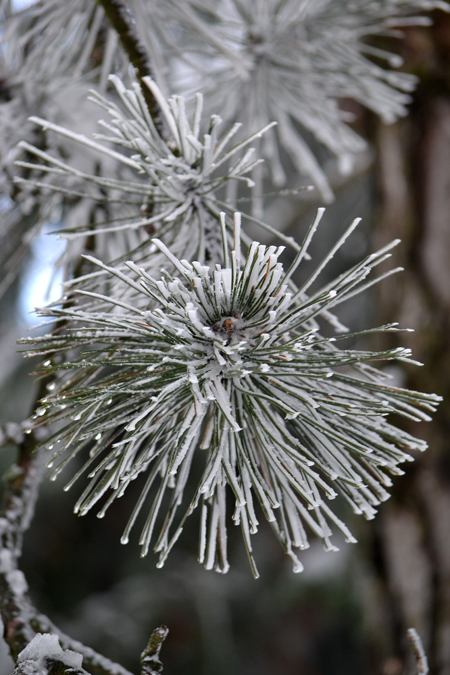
230,360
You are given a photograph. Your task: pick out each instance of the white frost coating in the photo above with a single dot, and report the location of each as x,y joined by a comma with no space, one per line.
17,582
6,558
250,384
47,646
41,645
295,58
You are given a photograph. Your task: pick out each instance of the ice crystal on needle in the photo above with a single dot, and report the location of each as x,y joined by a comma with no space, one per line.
227,367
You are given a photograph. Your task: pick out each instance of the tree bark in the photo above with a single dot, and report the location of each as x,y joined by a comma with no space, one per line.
411,538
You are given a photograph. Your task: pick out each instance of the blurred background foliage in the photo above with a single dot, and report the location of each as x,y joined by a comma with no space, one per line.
348,611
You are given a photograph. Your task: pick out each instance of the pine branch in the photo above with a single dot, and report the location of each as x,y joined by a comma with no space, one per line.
232,362
120,19
44,655
150,661
418,651
168,191
20,618
19,501
95,663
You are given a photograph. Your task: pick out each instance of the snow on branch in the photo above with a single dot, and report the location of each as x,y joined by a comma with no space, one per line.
418,651
20,618
45,655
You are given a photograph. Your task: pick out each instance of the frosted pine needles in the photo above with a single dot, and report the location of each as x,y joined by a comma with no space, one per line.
292,62
152,184
226,366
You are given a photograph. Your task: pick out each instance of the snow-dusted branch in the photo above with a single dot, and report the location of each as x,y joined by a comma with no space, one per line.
45,655
20,618
150,661
20,498
418,651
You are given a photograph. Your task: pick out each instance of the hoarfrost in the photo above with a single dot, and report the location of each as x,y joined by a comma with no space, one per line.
46,646
17,582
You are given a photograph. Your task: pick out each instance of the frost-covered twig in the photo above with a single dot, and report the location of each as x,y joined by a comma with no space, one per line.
20,618
150,661
418,651
95,663
44,655
15,516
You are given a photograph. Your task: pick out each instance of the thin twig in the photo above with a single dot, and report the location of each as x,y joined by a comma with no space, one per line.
418,651
95,663
121,20
19,500
20,618
150,661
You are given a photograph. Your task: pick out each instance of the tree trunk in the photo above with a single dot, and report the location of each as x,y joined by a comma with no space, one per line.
411,538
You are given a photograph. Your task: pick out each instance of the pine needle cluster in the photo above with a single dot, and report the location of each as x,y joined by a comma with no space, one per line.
163,185
225,366
293,62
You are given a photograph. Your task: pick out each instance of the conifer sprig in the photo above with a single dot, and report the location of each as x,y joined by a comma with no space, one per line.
166,185
292,62
225,367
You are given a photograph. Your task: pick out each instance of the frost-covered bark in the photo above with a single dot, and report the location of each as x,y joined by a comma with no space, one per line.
21,620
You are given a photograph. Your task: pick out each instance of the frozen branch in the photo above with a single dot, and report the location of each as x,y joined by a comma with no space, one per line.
20,618
418,651
150,661
121,20
18,507
45,655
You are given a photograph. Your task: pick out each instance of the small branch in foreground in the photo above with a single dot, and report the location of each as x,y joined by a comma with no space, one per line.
18,506
44,656
120,19
150,661
95,663
20,618
418,651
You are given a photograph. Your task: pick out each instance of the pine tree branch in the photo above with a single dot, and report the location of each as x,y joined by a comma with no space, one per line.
418,651
95,663
150,661
121,20
20,618
18,506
